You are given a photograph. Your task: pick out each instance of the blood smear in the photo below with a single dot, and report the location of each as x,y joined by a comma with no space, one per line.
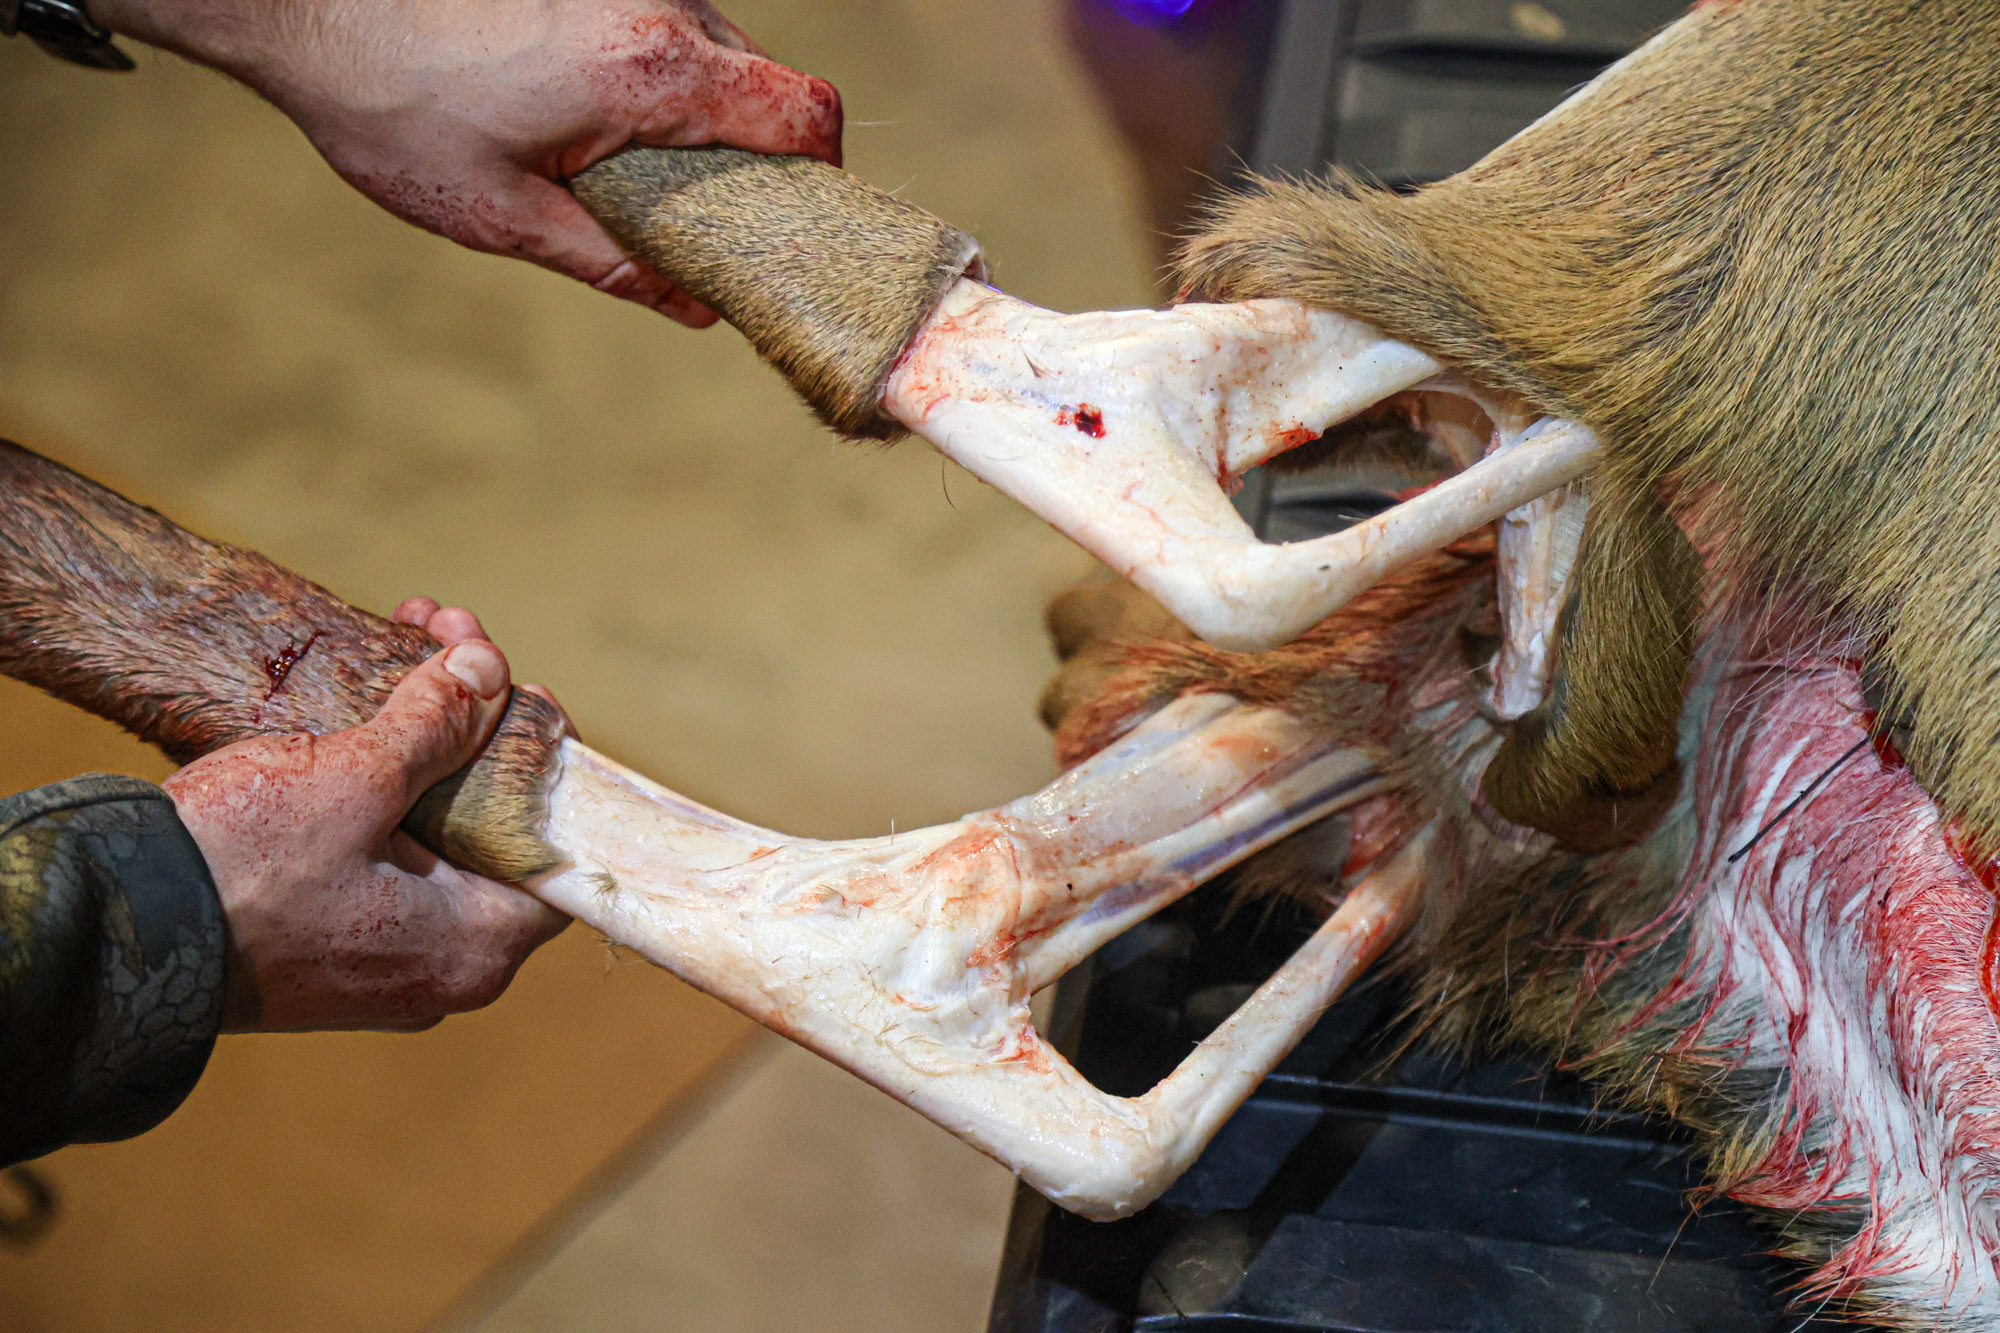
1986,870
1880,740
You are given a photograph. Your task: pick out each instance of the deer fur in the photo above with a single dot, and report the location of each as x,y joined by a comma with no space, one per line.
780,247
1616,963
1758,257
191,645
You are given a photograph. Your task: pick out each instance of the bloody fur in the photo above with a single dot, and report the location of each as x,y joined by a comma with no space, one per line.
1810,1007
191,644
1757,257
1347,675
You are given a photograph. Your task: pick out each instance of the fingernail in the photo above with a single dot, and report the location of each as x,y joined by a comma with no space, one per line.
478,667
634,281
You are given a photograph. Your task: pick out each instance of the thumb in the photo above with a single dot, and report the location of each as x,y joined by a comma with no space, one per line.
439,717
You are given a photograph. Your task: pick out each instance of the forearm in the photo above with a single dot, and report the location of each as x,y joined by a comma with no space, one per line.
323,54
111,964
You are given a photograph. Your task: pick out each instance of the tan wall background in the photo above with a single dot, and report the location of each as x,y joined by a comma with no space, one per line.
812,636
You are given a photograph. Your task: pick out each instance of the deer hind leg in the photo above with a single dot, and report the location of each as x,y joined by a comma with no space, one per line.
1936,692
1593,765
1090,625
1404,264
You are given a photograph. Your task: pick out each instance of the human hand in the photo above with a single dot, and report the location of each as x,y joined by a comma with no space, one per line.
336,918
464,117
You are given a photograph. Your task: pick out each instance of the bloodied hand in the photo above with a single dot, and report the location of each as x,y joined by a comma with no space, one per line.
336,918
464,116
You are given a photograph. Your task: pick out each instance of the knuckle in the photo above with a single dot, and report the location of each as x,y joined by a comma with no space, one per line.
432,708
415,611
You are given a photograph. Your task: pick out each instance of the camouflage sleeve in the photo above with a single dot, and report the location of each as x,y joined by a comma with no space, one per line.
111,963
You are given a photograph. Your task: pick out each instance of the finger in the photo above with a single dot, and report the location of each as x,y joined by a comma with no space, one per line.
518,922
518,918
454,624
541,692
414,611
513,922
492,930
759,105
684,309
433,723
633,280
527,216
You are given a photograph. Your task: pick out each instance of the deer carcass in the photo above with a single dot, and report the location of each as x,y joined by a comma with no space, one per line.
1732,312
1714,342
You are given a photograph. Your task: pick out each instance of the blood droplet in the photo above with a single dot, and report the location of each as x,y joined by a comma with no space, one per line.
1085,418
1294,437
279,668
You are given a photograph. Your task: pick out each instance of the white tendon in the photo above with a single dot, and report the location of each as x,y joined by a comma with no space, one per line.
1537,547
911,959
1122,429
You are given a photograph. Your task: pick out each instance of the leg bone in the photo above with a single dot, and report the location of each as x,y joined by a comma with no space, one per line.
911,959
1538,544
1121,430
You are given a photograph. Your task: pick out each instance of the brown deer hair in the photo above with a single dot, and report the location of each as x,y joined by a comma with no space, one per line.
191,644
1761,257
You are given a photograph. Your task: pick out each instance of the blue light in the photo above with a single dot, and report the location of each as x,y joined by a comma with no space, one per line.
1154,11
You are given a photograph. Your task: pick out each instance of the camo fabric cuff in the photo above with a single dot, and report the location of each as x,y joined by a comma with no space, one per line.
111,963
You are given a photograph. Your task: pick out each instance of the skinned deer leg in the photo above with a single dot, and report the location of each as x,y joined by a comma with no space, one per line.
1123,430
909,959
1115,428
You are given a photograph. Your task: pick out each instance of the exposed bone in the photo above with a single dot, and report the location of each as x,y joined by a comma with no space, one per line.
1537,547
1460,419
1122,429
911,959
